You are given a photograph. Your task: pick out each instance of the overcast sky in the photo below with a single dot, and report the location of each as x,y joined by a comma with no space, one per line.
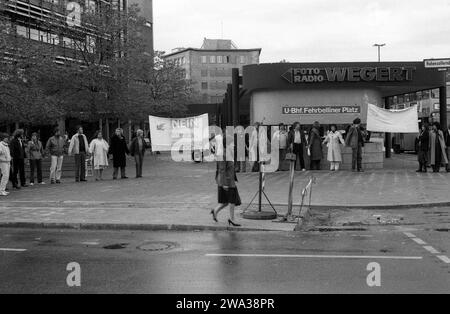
313,30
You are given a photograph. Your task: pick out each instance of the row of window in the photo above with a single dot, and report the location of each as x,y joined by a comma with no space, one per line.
179,61
221,85
217,72
54,39
223,59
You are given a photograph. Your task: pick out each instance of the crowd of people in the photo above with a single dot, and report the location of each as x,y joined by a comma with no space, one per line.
296,142
15,150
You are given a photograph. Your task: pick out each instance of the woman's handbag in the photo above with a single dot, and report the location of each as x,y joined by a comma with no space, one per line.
291,157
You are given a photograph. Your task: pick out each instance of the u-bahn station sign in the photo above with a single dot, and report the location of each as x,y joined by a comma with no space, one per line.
437,63
349,74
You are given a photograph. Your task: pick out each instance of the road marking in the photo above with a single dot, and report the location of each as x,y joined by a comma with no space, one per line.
318,256
419,241
409,235
431,249
444,258
12,250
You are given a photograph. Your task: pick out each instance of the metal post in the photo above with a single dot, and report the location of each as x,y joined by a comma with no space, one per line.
260,190
291,187
443,106
388,136
235,96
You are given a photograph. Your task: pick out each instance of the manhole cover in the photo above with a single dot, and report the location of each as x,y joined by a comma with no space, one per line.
117,246
157,246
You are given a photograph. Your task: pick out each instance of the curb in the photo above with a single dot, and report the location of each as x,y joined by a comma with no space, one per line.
387,207
126,227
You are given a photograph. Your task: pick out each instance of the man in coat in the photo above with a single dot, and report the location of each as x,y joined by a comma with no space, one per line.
79,148
137,150
315,146
297,143
17,147
437,148
119,150
355,140
424,146
447,143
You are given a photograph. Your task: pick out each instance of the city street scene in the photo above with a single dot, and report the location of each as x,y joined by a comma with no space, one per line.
224,156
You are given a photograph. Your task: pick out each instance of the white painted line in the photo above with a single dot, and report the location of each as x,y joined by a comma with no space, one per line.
419,241
431,249
12,250
318,256
409,235
444,258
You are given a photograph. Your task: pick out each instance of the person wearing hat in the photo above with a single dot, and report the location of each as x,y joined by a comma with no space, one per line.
355,140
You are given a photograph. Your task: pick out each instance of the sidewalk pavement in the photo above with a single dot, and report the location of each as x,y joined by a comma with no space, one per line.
180,196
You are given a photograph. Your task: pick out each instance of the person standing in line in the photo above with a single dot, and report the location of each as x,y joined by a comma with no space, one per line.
18,154
437,148
79,149
315,146
447,143
297,144
119,150
55,148
227,192
333,140
5,163
35,152
99,149
423,148
137,150
355,140
283,140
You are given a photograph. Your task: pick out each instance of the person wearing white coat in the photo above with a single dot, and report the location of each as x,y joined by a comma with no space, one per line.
333,141
99,149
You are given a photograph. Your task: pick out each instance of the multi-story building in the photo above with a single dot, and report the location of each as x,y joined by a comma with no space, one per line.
209,68
51,22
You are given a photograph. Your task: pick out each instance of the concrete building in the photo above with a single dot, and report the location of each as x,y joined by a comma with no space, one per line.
146,10
209,67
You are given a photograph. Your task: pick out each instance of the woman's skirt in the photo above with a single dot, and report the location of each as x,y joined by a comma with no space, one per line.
230,196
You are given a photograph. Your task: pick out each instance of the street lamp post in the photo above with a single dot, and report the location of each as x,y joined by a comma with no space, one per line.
379,50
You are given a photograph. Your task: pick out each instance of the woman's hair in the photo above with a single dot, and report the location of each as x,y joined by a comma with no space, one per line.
357,121
139,131
35,134
3,136
295,124
437,125
97,133
333,125
316,124
120,130
55,130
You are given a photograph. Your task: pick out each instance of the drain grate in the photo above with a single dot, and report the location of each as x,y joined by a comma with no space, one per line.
157,246
117,246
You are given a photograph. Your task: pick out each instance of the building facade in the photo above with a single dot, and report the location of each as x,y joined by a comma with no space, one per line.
146,11
209,68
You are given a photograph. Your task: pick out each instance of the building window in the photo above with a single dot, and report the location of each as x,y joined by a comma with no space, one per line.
204,85
204,60
219,59
227,59
34,34
22,31
242,59
54,39
212,59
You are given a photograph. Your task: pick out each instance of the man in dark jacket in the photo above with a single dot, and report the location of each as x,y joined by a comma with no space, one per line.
447,144
296,144
17,147
424,146
137,150
119,150
355,140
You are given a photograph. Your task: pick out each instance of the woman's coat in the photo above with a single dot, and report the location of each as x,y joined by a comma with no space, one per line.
433,147
334,141
99,150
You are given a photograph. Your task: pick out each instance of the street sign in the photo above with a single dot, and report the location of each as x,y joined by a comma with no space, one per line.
437,63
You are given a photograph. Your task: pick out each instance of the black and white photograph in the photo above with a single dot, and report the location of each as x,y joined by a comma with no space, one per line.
226,155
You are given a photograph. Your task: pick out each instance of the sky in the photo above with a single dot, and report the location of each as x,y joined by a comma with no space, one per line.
310,31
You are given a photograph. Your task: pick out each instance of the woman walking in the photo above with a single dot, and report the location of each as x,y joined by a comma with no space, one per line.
334,139
99,150
35,152
437,148
227,191
315,146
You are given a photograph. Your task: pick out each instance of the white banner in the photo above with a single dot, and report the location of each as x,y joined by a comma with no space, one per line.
399,121
165,132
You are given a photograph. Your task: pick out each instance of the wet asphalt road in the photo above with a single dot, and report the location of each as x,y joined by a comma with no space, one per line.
331,262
